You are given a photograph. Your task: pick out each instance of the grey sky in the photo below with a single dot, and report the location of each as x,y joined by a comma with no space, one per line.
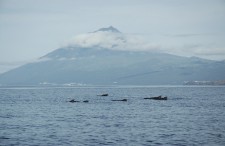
29,28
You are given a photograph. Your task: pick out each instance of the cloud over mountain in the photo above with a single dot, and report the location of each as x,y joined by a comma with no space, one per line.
111,38
181,44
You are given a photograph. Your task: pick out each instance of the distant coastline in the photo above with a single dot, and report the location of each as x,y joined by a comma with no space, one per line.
215,83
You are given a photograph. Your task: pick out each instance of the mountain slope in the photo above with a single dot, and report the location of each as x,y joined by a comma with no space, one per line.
96,66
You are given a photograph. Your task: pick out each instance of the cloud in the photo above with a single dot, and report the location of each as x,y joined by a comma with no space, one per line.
199,45
207,51
113,41
6,66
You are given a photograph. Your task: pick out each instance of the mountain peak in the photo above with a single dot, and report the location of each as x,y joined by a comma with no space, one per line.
109,29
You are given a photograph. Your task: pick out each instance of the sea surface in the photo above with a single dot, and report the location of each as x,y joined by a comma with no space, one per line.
42,116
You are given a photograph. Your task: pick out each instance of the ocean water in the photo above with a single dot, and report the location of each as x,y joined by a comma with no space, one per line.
42,116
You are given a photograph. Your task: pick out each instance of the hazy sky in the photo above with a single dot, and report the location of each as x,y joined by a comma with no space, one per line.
31,28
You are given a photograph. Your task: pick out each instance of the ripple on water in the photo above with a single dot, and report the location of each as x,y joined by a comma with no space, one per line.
41,116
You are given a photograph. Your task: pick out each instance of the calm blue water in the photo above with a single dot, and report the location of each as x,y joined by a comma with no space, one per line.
42,116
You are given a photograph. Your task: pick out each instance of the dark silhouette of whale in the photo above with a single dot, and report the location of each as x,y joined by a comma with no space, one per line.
73,100
120,100
157,98
104,94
